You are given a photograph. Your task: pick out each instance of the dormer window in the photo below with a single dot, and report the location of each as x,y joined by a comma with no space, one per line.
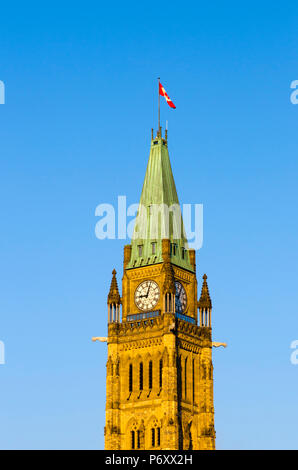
173,249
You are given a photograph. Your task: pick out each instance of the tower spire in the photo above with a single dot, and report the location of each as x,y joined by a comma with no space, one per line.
159,215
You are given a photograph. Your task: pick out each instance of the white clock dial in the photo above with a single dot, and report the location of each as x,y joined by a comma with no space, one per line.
147,295
180,297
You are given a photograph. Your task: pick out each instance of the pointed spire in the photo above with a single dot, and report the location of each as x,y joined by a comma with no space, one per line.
159,215
114,296
205,300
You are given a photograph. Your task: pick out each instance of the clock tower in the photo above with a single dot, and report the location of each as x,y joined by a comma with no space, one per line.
159,383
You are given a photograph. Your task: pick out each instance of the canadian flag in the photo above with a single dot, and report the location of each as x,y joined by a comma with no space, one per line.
163,92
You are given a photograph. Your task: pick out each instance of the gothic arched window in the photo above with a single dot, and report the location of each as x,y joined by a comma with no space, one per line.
141,376
132,439
130,377
150,375
153,437
193,380
185,378
160,373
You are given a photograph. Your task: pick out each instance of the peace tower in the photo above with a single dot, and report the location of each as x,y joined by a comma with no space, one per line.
159,382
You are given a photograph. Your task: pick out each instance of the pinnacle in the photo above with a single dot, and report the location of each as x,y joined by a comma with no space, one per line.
114,296
169,283
205,300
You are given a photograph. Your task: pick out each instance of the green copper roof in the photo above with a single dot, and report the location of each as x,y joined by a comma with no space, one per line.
159,214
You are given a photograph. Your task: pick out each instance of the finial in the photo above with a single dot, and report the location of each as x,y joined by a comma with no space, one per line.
114,272
205,277
166,135
158,134
152,134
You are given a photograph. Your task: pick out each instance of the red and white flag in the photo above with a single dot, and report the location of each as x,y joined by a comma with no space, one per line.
163,92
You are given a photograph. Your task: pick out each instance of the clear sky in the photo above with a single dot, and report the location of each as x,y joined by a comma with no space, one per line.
81,98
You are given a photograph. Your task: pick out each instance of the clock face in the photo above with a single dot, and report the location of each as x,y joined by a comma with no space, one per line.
180,297
147,295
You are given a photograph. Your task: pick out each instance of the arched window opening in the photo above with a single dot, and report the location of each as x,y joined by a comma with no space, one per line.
180,377
132,439
158,437
160,373
153,437
141,376
130,377
185,378
193,380
150,375
138,439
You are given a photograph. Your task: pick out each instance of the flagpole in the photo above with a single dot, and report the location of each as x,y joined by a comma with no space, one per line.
158,106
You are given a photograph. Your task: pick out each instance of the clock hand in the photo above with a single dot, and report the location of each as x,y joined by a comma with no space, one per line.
148,289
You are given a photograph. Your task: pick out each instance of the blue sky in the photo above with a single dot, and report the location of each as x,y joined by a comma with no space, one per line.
81,98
